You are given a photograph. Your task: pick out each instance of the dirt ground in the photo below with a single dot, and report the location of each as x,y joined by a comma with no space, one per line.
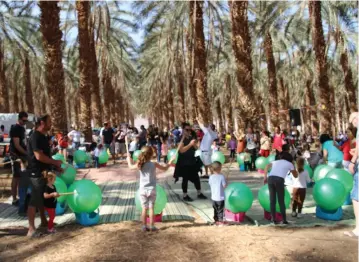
180,242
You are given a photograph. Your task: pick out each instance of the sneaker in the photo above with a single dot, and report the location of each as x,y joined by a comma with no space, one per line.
15,202
284,222
201,196
187,199
299,215
51,231
153,229
294,214
144,229
273,222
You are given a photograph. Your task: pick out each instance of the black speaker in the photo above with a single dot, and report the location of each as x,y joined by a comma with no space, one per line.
294,115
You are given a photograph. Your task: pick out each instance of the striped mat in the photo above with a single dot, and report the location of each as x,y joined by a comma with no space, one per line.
118,204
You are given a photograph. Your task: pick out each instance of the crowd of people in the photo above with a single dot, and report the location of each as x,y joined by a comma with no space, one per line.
32,156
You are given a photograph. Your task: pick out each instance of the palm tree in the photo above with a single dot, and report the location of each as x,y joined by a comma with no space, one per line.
321,65
4,94
83,15
50,28
241,44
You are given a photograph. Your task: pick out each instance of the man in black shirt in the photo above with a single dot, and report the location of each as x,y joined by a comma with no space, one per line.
108,139
17,151
39,160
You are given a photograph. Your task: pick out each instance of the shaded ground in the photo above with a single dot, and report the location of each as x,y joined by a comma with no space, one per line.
183,241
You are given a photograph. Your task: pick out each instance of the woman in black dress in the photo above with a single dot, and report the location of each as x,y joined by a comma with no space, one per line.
186,166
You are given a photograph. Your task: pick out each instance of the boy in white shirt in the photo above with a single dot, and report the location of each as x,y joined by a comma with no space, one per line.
217,183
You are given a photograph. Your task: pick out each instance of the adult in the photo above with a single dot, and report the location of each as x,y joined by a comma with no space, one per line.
39,161
2,133
108,139
17,153
142,136
330,152
251,146
353,168
278,139
186,166
241,145
209,136
120,143
347,146
75,137
164,137
265,144
176,135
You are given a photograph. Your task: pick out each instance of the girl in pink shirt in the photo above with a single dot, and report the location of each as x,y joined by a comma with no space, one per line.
278,139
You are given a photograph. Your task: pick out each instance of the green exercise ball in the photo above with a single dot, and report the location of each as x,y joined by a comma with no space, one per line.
160,203
238,197
69,174
80,157
261,162
87,196
170,154
264,201
59,156
103,157
240,158
342,176
218,157
329,194
60,188
271,158
309,170
136,154
321,171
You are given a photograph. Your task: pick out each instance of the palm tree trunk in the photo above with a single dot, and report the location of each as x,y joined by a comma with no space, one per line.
200,67
54,71
282,104
287,106
180,90
85,68
171,116
15,101
272,81
227,92
241,45
95,91
4,93
350,95
307,105
321,65
107,89
27,85
332,110
219,115
76,107
127,113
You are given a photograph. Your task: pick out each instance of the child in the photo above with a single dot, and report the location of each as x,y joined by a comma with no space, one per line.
232,145
217,183
164,150
70,152
247,161
96,154
299,188
265,143
147,183
133,146
214,146
50,201
306,153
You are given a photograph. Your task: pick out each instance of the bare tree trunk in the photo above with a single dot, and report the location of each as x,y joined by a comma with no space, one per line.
321,65
332,110
227,93
180,90
350,94
4,93
27,85
308,109
15,104
282,104
171,118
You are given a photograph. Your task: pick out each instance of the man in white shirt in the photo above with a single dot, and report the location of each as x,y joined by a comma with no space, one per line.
209,136
75,136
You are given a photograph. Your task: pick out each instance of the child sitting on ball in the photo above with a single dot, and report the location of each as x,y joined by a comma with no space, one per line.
50,201
147,183
217,183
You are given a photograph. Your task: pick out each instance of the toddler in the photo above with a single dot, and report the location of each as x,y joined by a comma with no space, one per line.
214,146
147,183
247,161
96,154
217,183
232,146
299,188
50,201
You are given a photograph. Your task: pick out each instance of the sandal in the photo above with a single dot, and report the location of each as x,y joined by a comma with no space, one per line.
34,234
350,234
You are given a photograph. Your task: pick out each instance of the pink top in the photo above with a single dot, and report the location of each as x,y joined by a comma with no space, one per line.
278,141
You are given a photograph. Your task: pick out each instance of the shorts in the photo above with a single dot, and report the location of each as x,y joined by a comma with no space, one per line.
207,158
110,147
148,197
120,148
37,191
354,193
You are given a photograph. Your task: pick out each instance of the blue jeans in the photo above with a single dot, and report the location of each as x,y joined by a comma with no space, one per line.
354,193
159,152
97,165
